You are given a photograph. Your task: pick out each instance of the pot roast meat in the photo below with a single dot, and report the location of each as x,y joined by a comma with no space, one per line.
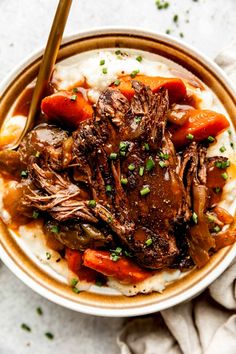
118,181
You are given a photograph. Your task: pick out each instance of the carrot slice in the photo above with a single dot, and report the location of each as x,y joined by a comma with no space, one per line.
175,86
75,264
67,107
200,125
123,269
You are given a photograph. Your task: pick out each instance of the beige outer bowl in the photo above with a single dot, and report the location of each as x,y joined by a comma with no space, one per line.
117,305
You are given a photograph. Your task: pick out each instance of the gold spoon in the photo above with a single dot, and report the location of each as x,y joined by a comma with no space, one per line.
46,67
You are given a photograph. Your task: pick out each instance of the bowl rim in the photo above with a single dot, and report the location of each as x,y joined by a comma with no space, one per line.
186,294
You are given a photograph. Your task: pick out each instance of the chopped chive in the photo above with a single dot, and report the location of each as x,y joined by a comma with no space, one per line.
118,250
150,164
160,4
222,149
139,58
217,229
229,131
162,164
108,188
128,254
195,217
113,156
224,176
222,164
117,82
114,257
74,281
104,70
24,174
92,203
118,52
35,214
134,73
37,154
211,139
232,145
181,35
217,190
131,167
175,18
141,171
190,136
137,119
49,335
163,155
168,31
75,290
123,146
122,153
48,255
26,327
102,62
73,97
39,311
146,146
55,229
148,242
210,218
75,90
124,181
144,191
109,219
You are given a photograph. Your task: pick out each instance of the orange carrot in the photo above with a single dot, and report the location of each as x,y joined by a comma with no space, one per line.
69,108
122,269
175,86
74,260
200,125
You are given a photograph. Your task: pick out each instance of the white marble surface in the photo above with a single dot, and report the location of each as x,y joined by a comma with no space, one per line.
24,26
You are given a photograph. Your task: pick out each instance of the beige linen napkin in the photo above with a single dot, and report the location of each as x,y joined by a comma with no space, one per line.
205,325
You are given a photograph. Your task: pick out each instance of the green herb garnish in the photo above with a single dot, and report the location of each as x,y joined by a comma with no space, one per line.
131,167
217,229
195,217
113,156
37,154
146,146
55,229
108,188
26,327
141,171
139,58
222,149
123,181
190,136
24,174
75,90
211,139
92,203
118,52
175,18
73,97
217,190
162,164
102,62
49,335
148,242
134,73
48,255
150,164
76,290
39,311
35,214
117,82
137,120
224,176
145,190
74,281
104,70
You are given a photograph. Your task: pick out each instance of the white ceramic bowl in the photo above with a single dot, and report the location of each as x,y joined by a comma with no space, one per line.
23,264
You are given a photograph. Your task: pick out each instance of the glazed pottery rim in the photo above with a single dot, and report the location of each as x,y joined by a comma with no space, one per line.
145,309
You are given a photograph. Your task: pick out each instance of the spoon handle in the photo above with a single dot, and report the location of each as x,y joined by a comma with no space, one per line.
48,62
